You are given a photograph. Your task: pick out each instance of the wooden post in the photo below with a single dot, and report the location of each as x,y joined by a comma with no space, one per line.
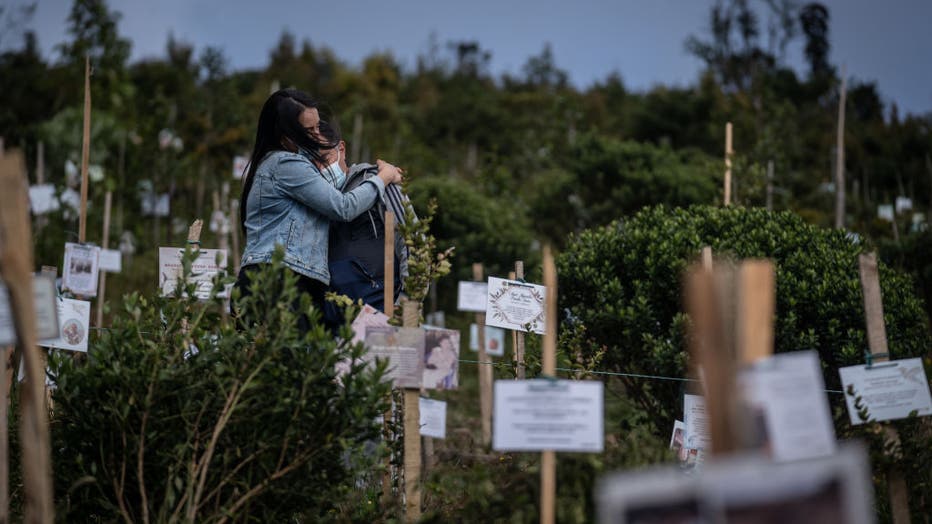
708,304
769,201
840,155
756,306
104,243
877,341
485,384
85,151
16,263
412,422
707,258
548,462
356,146
728,154
519,335
388,307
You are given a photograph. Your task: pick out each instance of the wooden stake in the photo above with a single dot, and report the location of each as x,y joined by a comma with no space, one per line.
485,382
769,201
708,304
707,258
16,264
85,151
519,335
877,341
104,243
548,462
728,154
234,234
412,422
756,305
388,299
840,155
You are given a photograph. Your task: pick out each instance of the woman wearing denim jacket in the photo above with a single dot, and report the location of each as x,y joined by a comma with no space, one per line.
288,201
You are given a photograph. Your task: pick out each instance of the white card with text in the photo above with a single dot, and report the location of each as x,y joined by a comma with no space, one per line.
111,260
433,418
515,305
494,340
472,296
889,390
697,423
81,269
74,320
543,414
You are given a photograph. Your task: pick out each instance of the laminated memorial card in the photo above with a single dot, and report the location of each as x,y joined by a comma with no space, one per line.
696,421
889,390
81,269
494,340
404,350
515,305
472,296
74,323
45,299
548,414
111,260
433,415
789,408
441,358
208,264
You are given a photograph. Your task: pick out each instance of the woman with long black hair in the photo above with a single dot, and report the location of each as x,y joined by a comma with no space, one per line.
288,201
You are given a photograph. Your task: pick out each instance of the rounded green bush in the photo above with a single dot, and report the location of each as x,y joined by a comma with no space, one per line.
623,284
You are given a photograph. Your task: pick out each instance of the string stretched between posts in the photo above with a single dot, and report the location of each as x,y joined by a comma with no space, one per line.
631,375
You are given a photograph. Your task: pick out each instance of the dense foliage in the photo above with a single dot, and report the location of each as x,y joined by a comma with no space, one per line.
178,416
622,283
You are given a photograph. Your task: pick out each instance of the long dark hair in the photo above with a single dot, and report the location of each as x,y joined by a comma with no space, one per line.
278,121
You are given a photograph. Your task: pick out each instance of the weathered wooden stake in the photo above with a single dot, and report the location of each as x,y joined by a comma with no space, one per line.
485,382
388,306
16,264
877,342
519,335
104,243
728,154
234,234
412,421
85,151
840,155
548,463
756,306
769,200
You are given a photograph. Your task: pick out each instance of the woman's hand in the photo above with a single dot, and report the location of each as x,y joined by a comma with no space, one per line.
389,173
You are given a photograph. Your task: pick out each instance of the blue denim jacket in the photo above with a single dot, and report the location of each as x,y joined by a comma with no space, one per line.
291,204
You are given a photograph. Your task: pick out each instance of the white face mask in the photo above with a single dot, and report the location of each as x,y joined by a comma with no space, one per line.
335,172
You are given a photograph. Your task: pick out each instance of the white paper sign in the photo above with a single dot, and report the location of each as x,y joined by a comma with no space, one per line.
74,317
239,166
46,305
404,350
155,205
81,269
558,415
515,305
889,390
111,260
472,296
786,394
42,199
494,340
433,418
441,358
697,422
209,262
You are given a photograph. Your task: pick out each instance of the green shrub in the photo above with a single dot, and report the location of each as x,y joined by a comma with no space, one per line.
623,283
175,415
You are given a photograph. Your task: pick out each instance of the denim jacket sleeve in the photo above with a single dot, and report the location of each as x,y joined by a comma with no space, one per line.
299,179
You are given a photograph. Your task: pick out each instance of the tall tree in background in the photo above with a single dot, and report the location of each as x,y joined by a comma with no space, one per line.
813,18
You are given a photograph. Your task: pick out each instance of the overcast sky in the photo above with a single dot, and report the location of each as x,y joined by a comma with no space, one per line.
889,42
